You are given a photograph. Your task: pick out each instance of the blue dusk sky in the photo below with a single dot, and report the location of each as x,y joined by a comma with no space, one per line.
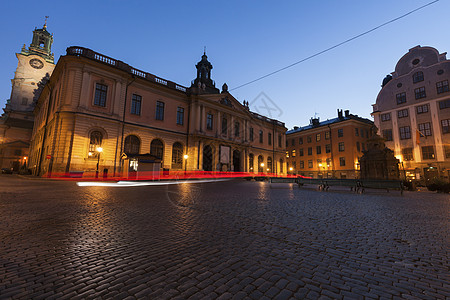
244,40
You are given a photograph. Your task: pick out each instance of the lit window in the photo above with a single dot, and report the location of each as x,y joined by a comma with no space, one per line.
407,154
293,153
318,137
95,141
425,129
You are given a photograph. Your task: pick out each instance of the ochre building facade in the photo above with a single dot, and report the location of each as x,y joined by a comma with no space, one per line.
328,149
93,101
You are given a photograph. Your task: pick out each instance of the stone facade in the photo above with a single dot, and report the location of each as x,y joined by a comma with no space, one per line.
16,123
412,113
93,100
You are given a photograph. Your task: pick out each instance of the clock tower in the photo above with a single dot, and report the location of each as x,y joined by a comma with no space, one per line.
16,123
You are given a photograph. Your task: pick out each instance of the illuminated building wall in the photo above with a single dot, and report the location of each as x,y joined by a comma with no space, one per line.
93,100
412,112
328,149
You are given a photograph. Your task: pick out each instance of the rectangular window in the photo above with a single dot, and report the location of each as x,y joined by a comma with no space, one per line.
445,126
425,129
319,163
420,93
327,135
293,153
403,113
363,147
318,137
385,117
318,149
310,163
340,132
401,98
279,140
421,109
101,91
287,154
356,132
444,104
293,142
310,151
300,151
261,137
269,138
362,132
341,147
442,86
387,134
159,110
405,133
251,134
302,164
407,154
328,162
447,151
327,148
417,77
136,102
300,141
342,161
236,128
308,139
180,116
427,152
209,121
358,147
224,126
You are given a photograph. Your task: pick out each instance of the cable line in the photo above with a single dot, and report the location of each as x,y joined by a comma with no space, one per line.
337,45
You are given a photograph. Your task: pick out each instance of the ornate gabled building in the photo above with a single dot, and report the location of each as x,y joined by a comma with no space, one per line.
16,123
92,100
412,113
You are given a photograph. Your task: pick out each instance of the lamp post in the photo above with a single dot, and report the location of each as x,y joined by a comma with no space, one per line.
185,163
99,150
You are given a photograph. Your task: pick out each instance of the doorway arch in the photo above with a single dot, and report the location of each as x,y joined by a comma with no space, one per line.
207,158
236,161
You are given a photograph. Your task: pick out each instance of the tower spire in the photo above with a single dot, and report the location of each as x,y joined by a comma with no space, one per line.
204,50
45,23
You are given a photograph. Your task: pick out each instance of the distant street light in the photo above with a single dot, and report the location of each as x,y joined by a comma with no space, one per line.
99,150
185,163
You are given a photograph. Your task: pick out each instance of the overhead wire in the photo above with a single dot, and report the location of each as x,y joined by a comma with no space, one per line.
337,45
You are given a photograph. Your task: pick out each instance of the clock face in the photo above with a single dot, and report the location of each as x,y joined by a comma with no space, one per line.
36,63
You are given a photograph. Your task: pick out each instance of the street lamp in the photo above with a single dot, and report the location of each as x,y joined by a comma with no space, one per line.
99,150
185,163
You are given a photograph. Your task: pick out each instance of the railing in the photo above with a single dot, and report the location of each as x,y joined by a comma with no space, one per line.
88,53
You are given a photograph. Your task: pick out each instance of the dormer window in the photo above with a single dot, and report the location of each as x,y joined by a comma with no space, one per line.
418,77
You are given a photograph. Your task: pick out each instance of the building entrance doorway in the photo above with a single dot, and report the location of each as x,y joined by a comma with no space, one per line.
207,158
236,161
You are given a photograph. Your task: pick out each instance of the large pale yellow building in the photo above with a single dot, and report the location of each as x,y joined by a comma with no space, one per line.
93,101
412,113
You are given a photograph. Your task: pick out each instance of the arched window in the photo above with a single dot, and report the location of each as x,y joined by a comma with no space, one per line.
95,141
251,158
260,164
132,144
157,148
177,156
269,164
281,165
417,77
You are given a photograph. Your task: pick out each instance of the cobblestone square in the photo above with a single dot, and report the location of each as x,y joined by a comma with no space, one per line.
229,240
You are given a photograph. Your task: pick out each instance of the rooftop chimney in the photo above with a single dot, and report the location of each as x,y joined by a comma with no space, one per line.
339,113
347,113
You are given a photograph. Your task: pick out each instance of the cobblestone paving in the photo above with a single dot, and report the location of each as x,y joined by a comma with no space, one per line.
227,240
